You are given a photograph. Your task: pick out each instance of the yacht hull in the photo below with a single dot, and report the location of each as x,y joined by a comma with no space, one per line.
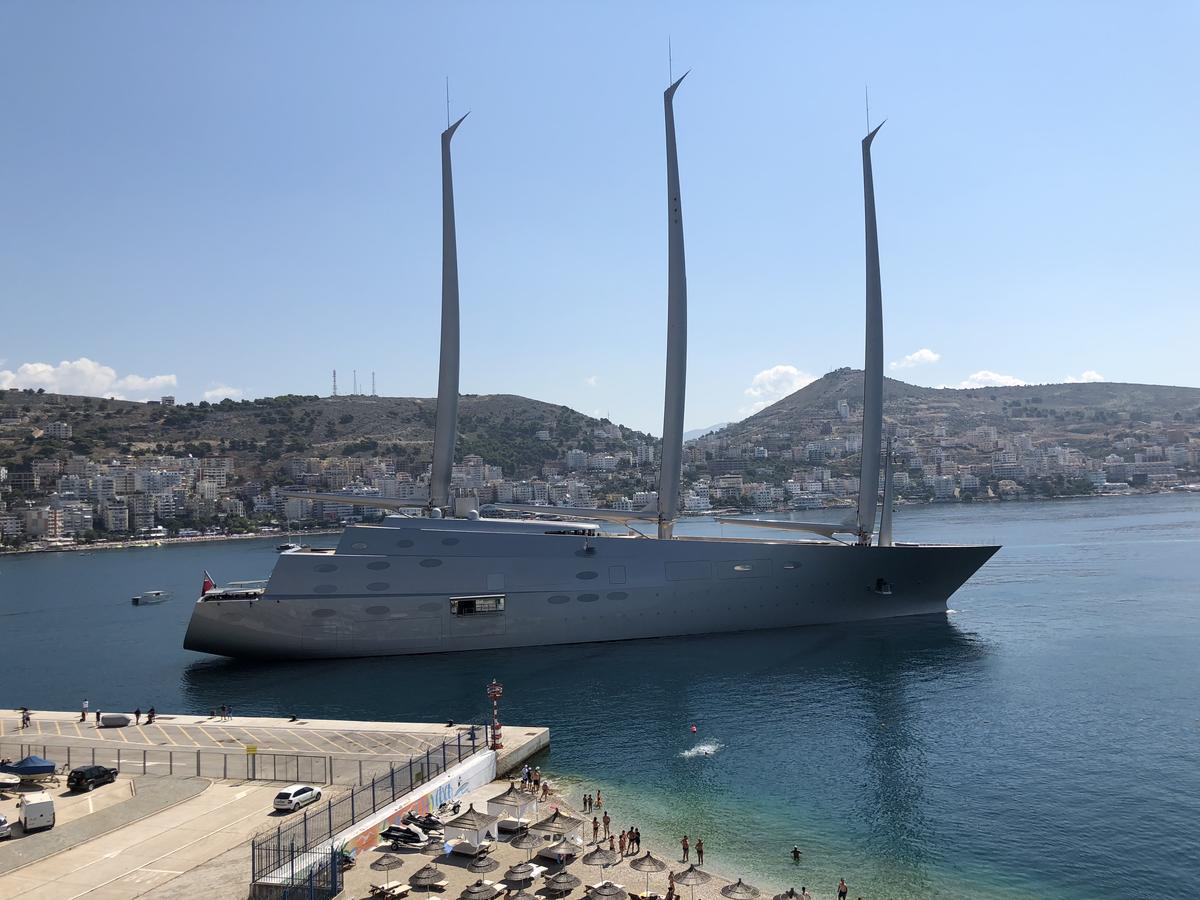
391,590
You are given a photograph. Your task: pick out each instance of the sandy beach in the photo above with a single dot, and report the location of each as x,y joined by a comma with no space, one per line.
454,868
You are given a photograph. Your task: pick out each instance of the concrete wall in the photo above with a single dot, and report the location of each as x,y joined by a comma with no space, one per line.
475,772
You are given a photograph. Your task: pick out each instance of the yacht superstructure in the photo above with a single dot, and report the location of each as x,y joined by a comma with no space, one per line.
435,583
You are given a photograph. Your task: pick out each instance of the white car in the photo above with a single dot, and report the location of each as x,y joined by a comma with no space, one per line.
297,795
5,829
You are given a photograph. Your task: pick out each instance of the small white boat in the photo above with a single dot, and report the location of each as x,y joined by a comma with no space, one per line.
148,598
285,548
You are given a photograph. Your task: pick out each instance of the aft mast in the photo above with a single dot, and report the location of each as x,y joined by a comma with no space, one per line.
889,500
445,431
671,469
872,429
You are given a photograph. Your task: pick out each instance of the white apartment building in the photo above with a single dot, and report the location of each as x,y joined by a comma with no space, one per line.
58,430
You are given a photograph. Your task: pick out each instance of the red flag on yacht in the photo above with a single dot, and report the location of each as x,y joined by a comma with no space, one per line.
209,584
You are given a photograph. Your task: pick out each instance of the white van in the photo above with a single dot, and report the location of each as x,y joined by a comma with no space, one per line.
36,811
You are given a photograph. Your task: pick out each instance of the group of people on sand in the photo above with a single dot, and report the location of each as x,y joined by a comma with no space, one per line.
532,780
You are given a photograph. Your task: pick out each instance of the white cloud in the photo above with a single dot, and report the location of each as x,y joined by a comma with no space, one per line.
84,376
592,380
984,378
222,392
1089,375
774,384
922,357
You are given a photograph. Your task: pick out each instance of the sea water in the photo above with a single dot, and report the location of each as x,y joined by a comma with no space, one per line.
1042,739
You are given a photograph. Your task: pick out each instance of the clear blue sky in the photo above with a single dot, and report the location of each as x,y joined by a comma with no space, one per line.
245,196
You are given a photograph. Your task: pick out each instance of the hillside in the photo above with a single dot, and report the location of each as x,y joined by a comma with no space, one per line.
1078,413
500,427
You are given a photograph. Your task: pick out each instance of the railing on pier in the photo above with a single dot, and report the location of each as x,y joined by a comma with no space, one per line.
284,855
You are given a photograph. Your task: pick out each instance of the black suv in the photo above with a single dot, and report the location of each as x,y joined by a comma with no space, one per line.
87,778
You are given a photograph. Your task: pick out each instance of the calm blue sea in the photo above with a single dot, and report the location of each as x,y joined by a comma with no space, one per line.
1043,740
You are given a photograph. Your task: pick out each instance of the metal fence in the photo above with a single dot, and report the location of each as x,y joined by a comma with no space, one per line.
320,879
286,853
288,767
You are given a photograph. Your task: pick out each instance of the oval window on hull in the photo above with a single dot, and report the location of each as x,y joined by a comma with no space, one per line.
588,598
325,567
379,566
558,598
587,576
378,586
404,544
358,545
378,610
430,563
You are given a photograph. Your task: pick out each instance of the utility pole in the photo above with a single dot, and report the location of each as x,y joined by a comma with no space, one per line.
373,394
334,394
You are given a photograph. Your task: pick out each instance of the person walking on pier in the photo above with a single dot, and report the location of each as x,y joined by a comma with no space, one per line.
607,822
83,715
137,716
699,851
686,847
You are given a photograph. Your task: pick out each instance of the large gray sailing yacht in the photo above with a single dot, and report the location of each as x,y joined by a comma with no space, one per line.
433,582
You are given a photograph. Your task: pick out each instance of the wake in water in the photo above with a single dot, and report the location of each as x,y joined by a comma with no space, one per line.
708,748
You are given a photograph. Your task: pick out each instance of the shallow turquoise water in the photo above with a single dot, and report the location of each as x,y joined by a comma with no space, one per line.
1044,739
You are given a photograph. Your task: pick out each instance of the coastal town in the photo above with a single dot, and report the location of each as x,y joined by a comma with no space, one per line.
54,496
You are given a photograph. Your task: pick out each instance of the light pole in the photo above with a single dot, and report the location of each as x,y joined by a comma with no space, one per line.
495,691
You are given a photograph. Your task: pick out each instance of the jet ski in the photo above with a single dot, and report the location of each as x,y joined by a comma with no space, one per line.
428,824
404,836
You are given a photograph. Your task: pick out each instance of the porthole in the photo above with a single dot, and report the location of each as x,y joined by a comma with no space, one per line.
404,544
325,589
358,545
378,586
379,566
558,598
588,598
449,542
431,563
325,567
587,576
378,610
323,613
617,595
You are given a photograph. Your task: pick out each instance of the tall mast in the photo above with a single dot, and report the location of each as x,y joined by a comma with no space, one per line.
872,429
445,430
671,468
889,499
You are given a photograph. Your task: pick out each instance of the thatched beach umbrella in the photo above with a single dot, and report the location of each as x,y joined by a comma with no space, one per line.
601,857
522,895
691,876
564,848
479,891
606,891
520,872
483,863
526,840
789,894
648,864
386,862
425,877
739,890
562,883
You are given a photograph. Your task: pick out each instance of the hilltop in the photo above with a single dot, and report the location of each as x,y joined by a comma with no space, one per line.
1081,413
503,428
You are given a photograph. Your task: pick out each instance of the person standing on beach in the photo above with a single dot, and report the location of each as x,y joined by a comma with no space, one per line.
686,846
595,830
843,889
607,821
83,715
599,799
637,839
699,851
612,843
621,843
586,799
